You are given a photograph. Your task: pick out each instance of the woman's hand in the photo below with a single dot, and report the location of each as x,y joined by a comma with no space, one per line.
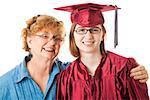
139,73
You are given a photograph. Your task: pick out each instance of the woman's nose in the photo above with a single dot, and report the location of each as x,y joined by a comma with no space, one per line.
51,41
88,34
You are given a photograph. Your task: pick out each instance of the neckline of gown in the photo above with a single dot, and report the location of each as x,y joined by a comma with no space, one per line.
97,73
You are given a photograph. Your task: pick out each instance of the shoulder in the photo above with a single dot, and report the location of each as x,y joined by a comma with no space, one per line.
116,57
121,62
67,72
9,77
62,65
7,82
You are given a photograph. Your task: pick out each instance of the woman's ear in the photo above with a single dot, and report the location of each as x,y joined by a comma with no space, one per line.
29,41
103,36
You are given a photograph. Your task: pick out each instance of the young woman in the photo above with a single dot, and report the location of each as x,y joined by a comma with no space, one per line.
96,74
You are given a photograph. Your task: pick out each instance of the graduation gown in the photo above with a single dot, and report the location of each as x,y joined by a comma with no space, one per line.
111,81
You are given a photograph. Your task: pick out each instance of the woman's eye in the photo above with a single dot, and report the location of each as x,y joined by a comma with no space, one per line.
44,36
82,30
58,39
95,30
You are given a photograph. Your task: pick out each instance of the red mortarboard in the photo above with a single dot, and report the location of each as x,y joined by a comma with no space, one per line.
90,14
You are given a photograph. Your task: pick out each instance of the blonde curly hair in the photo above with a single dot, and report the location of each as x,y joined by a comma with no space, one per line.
38,23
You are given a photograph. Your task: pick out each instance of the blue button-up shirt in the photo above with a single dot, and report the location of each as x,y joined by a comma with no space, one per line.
17,84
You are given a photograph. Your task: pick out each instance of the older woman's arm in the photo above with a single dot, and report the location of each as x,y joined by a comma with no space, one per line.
139,73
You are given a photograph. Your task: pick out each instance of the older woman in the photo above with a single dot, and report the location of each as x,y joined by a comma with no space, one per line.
34,78
96,74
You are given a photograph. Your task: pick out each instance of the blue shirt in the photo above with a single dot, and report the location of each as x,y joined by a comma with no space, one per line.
17,84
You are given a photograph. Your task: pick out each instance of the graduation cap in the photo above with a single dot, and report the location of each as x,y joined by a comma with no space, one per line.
90,14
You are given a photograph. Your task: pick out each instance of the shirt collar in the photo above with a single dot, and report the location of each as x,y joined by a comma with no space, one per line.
56,68
23,71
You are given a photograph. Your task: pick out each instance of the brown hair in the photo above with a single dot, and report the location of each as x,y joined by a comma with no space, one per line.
38,23
75,50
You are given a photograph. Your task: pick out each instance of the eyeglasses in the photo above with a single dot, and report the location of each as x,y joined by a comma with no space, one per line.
82,31
56,38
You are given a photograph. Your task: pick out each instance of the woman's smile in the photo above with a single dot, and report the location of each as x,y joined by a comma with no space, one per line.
49,49
88,43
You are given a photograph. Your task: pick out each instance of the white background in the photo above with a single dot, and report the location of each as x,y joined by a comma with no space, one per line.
134,28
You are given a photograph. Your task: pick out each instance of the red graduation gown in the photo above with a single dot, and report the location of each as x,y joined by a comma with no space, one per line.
111,81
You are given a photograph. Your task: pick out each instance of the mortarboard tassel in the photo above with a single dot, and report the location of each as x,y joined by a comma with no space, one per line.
116,29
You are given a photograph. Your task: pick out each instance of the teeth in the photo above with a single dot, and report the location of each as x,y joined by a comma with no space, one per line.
49,49
88,42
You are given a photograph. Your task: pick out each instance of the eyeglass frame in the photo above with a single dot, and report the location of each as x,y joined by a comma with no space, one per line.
47,37
90,30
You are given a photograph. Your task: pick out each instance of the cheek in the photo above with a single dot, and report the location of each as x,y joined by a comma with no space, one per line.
98,39
77,39
37,45
57,48
101,37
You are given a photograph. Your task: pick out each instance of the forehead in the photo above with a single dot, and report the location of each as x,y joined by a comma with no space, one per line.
49,31
79,26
